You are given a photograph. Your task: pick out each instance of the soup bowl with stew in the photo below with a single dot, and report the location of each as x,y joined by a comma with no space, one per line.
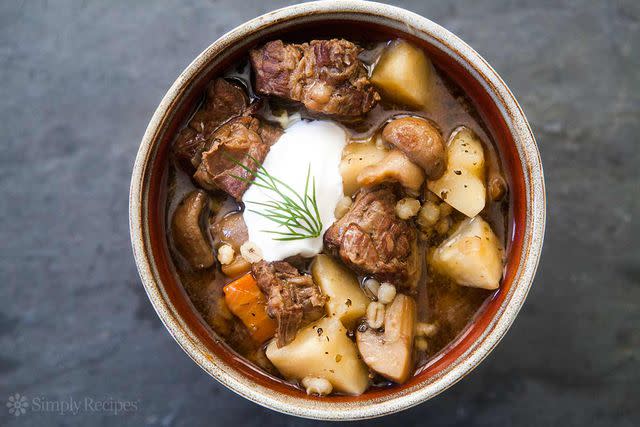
505,123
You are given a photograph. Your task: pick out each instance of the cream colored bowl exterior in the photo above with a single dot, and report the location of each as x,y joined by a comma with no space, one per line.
421,27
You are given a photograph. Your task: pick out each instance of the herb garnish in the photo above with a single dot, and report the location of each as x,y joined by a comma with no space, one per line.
297,213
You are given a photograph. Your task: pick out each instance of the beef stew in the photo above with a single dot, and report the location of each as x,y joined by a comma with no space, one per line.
352,261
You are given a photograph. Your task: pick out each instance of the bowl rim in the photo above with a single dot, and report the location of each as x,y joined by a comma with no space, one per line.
534,227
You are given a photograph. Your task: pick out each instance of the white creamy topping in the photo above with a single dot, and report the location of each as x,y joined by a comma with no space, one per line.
316,143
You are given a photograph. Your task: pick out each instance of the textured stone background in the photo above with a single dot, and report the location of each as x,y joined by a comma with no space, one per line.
79,81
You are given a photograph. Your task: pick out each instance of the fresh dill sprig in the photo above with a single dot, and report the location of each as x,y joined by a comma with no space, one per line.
297,213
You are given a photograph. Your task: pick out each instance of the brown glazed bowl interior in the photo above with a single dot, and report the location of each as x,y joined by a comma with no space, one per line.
505,122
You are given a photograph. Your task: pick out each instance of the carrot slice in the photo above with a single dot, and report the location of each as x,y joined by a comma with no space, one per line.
248,303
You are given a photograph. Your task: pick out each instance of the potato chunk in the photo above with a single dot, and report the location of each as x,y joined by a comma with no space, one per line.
404,75
462,184
322,350
355,157
346,302
472,255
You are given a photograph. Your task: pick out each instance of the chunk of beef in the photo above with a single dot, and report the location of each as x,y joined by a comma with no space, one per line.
223,101
294,300
239,140
269,133
188,147
372,240
325,75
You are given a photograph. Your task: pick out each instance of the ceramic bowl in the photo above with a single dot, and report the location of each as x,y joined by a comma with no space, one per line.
506,123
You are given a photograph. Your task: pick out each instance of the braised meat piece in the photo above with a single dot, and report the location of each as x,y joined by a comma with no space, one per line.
188,149
294,300
325,75
222,131
239,140
269,133
223,101
372,240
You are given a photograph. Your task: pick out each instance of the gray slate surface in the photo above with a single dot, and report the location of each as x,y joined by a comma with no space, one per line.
78,84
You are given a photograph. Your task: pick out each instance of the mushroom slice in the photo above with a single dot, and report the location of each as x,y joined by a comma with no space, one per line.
187,233
394,167
420,141
389,353
230,229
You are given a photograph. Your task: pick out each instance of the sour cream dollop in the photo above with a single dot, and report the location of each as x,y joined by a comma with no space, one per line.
316,143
